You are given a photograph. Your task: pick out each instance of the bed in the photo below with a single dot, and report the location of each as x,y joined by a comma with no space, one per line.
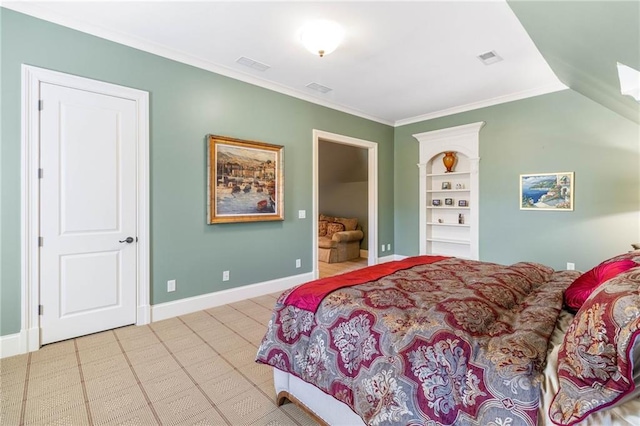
446,341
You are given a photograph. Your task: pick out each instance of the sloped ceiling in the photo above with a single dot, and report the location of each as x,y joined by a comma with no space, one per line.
582,41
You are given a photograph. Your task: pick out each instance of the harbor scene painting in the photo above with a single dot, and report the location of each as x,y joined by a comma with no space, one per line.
245,181
547,191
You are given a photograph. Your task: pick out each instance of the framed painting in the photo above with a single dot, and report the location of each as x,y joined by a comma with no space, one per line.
245,181
547,191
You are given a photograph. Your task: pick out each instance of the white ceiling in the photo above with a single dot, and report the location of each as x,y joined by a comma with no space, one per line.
400,62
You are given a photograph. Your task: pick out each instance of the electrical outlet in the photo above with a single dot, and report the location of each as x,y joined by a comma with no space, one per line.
225,275
298,263
383,247
388,247
171,286
571,266
302,214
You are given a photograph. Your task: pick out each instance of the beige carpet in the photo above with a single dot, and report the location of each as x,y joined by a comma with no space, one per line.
330,269
196,369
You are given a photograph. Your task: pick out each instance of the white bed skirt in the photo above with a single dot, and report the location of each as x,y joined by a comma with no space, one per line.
324,407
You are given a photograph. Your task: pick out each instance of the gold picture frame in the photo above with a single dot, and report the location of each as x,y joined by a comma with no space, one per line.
245,181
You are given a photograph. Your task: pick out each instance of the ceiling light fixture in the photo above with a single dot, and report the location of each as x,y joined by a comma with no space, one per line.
321,37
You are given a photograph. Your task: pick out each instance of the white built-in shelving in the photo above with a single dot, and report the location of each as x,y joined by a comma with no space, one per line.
441,232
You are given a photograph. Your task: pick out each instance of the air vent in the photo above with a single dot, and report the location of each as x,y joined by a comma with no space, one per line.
319,87
247,62
489,58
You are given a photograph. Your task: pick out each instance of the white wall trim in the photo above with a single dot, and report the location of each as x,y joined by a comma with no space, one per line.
32,77
537,91
390,258
11,345
372,178
198,303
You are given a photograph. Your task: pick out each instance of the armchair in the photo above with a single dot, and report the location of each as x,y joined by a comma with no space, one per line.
338,239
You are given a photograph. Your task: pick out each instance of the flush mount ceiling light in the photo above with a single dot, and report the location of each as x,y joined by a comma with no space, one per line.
321,37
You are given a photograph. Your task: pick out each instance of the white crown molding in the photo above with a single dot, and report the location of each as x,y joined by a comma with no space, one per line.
543,90
41,12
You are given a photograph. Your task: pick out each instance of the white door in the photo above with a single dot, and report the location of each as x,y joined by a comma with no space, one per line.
87,212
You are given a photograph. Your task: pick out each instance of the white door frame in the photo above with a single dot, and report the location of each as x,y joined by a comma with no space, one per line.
32,77
372,160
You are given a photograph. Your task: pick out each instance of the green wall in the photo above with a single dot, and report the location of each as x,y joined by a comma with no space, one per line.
186,103
558,132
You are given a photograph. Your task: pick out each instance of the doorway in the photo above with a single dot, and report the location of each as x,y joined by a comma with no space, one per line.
371,154
85,204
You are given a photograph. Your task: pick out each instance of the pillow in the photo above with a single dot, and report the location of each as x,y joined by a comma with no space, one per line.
581,289
327,218
349,224
334,227
595,362
322,228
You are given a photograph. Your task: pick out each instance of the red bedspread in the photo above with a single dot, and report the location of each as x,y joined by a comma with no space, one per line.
455,342
309,295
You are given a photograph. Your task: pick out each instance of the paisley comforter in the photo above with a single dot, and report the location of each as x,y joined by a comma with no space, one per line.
453,342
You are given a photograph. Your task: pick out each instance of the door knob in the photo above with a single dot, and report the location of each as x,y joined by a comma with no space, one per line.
129,240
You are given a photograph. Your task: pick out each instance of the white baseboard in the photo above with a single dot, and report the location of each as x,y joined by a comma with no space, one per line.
198,303
385,259
10,345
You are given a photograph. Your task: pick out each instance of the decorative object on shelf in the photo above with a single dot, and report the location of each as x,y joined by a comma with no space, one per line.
463,203
245,181
435,202
461,219
446,185
440,221
448,201
449,160
547,191
459,185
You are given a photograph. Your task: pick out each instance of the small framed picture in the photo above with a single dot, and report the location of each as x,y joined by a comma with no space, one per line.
446,185
448,201
463,203
435,202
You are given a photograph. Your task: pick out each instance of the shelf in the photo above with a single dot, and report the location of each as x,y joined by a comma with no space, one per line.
448,190
449,241
460,225
447,208
448,174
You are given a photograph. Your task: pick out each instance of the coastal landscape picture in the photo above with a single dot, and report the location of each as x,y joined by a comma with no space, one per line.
245,181
547,191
